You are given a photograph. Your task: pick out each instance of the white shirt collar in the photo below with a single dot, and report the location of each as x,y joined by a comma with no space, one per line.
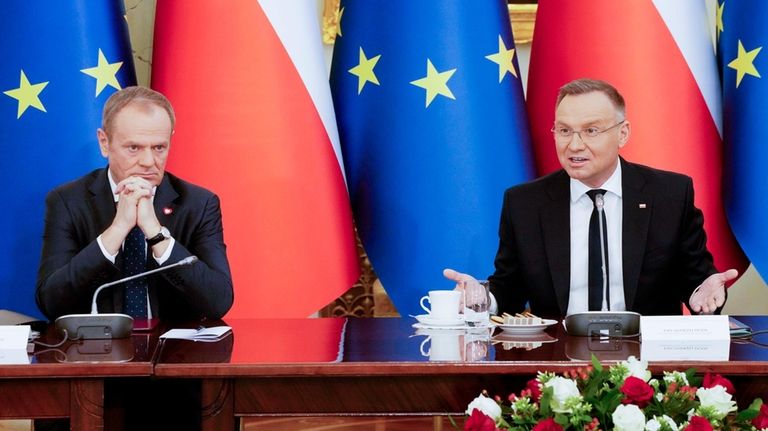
613,185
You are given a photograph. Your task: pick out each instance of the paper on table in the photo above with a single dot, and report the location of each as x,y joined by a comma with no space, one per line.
202,334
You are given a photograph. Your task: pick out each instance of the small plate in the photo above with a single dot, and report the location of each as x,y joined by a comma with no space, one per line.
526,329
426,320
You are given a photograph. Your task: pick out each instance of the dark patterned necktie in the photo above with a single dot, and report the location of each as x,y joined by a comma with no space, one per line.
595,259
134,262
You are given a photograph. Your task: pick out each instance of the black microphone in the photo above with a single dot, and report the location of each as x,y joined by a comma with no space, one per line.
107,325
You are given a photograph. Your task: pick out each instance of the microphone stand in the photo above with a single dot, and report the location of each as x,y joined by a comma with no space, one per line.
600,203
106,325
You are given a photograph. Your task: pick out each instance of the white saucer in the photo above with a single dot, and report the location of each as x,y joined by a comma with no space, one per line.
427,320
526,329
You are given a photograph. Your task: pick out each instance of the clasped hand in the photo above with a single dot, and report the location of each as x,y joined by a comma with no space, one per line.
135,205
134,208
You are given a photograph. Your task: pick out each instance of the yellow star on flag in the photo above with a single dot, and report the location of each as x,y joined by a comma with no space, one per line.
744,63
105,73
27,94
504,59
364,70
719,25
435,83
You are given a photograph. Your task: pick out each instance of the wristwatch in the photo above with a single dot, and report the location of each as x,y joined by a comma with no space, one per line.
161,236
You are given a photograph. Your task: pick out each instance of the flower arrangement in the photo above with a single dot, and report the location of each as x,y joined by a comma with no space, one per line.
622,397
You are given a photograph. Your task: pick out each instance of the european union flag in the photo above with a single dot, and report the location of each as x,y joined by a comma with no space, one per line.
742,34
433,130
61,61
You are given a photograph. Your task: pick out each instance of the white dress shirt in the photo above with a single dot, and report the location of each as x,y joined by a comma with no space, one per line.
581,211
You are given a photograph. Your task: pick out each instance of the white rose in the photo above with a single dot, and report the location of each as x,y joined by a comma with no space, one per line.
486,405
563,390
717,398
657,421
652,425
628,417
638,368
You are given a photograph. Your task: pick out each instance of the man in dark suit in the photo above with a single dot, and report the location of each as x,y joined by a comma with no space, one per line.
655,255
89,220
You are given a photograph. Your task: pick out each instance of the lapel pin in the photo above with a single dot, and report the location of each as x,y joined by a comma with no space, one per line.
642,206
167,210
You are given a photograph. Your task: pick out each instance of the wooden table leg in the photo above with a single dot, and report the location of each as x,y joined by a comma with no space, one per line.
87,404
218,407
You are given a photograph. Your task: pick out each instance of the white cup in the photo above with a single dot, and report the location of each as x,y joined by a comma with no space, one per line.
444,346
444,304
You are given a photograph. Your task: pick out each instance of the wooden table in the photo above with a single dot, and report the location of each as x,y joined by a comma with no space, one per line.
68,381
385,367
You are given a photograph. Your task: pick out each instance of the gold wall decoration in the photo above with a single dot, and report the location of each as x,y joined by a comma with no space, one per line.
522,17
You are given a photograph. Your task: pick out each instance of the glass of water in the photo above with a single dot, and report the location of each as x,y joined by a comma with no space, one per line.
477,301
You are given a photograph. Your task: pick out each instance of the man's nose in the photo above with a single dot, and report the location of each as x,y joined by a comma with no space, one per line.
146,157
576,143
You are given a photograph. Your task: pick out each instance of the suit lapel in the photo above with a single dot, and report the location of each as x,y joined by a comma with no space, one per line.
102,202
636,212
555,225
164,204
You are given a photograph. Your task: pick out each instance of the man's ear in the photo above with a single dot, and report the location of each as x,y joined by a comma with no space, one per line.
101,135
624,131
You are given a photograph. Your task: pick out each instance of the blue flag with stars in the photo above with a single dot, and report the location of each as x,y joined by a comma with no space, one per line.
742,34
61,61
433,129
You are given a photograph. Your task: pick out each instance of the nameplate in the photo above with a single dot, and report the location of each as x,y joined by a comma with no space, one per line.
684,328
13,344
684,338
14,337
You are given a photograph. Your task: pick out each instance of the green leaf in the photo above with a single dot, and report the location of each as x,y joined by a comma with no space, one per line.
545,402
747,415
596,363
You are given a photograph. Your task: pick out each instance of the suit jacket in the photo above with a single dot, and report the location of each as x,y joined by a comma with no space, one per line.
664,253
72,265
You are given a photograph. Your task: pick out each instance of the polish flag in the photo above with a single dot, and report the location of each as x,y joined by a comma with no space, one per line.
255,125
659,54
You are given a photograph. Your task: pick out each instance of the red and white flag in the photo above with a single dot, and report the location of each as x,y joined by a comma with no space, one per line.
659,55
255,124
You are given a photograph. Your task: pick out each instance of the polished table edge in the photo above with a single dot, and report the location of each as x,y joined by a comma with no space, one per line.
433,368
80,370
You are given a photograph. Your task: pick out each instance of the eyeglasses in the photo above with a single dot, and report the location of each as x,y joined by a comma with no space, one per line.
565,133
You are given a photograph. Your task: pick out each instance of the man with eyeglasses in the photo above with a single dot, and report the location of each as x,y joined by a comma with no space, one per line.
653,255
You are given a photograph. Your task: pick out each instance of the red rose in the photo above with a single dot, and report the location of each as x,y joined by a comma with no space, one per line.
534,386
636,391
698,423
547,425
761,421
479,421
712,380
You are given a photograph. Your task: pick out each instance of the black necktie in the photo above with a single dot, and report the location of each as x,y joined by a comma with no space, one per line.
595,260
134,262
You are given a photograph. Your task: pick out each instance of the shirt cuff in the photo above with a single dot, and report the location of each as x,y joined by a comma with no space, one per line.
493,309
161,260
110,257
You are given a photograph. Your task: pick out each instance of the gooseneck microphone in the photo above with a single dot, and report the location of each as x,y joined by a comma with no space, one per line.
600,204
107,325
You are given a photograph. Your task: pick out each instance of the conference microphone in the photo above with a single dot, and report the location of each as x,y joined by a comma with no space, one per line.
107,325
600,204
